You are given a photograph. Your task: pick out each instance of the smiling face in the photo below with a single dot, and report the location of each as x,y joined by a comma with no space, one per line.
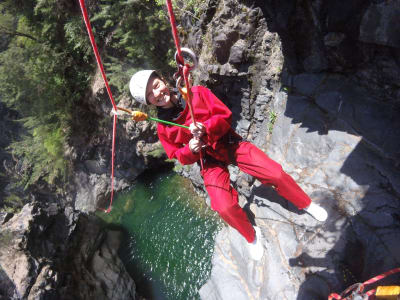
158,93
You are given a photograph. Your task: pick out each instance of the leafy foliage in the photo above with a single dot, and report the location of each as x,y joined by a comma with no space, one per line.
43,76
12,204
48,61
272,120
140,38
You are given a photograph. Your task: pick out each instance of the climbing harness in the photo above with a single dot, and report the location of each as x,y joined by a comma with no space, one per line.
356,291
138,116
183,68
100,64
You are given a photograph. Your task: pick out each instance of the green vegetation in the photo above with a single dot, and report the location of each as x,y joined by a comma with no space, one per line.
178,168
41,78
12,204
157,153
272,119
46,64
193,8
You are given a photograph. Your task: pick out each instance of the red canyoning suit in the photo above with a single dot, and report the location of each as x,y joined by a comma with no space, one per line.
216,117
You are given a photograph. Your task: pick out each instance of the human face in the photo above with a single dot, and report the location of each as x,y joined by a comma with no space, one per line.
157,93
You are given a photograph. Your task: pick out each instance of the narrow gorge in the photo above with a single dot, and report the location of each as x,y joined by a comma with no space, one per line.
314,84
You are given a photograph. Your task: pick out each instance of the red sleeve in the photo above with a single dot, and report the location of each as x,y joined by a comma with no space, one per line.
221,116
179,151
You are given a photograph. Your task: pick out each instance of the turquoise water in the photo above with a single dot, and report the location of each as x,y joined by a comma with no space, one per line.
170,236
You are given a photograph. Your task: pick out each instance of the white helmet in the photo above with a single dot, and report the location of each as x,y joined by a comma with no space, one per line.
138,85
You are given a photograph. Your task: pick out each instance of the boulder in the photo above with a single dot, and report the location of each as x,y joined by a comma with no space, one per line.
47,252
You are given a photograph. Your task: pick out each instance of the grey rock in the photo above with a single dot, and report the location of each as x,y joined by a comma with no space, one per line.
315,62
243,127
333,39
306,83
47,253
107,268
93,190
379,24
94,166
237,53
213,69
330,102
337,174
227,70
233,172
221,49
5,216
222,44
326,137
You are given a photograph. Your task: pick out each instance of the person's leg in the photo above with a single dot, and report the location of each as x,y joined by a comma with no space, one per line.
224,200
255,162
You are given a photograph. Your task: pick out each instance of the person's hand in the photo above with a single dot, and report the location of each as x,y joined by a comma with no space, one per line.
195,145
197,130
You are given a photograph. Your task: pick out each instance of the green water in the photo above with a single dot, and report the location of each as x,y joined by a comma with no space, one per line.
170,236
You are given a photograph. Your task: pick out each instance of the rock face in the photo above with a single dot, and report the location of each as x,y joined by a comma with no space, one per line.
314,84
47,252
137,148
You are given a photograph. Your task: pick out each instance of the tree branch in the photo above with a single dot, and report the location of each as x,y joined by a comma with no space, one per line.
16,33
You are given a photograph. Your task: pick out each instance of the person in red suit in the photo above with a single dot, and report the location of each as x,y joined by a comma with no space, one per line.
220,145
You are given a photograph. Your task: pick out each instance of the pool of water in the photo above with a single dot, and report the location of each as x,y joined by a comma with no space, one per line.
170,236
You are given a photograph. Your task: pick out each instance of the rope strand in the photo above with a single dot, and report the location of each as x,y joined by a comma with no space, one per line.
185,70
100,64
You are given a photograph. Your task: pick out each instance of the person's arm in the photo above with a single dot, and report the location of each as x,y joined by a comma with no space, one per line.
182,153
221,116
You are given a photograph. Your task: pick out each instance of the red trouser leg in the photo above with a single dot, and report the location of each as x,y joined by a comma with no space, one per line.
224,200
255,162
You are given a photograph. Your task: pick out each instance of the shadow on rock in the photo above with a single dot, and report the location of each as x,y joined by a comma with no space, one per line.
337,135
339,142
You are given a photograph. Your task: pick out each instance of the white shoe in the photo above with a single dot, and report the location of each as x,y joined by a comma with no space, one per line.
256,248
317,212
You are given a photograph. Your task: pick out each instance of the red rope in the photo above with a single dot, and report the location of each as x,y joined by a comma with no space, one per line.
186,68
189,92
112,162
334,296
100,64
379,277
361,286
174,31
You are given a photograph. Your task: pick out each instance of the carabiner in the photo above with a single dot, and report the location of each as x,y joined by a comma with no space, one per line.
179,81
189,53
356,291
